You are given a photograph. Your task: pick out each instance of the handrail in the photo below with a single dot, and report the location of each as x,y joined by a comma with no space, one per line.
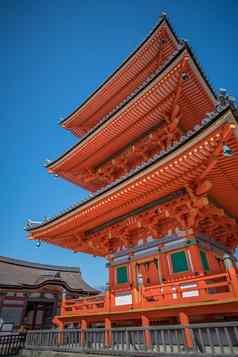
204,287
194,279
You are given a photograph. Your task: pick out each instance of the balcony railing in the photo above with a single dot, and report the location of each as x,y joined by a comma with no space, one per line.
204,288
11,344
205,339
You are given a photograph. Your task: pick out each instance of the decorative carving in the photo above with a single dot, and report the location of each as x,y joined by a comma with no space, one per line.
191,213
166,133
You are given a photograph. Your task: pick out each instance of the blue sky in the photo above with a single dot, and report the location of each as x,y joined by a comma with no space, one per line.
54,53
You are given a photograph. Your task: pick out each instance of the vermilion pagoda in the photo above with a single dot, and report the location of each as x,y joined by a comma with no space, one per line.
159,151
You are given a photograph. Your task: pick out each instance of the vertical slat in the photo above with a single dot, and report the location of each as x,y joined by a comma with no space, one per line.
137,335
158,334
177,338
127,340
236,334
170,340
210,340
184,339
121,341
201,340
191,330
117,341
219,342
163,341
229,340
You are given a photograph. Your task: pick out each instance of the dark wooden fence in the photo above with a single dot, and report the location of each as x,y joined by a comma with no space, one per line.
11,344
212,338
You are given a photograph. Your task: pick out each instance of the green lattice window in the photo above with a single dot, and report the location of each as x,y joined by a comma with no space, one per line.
122,275
204,260
179,262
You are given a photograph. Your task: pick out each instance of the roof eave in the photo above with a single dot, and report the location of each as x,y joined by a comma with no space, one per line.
91,132
133,173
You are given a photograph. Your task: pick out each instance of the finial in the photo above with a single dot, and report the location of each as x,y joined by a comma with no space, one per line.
163,15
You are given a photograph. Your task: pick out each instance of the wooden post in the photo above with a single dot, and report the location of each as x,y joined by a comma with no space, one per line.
83,327
234,280
63,299
108,299
35,309
60,325
160,278
146,323
23,309
196,259
184,321
108,331
134,283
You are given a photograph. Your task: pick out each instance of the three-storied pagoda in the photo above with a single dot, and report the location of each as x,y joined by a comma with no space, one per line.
159,152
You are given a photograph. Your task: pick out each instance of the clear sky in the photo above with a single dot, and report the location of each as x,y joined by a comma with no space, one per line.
53,54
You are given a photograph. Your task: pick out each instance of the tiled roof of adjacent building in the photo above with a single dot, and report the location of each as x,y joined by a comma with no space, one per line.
28,275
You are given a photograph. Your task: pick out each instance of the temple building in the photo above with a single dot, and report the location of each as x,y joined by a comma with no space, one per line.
158,150
31,293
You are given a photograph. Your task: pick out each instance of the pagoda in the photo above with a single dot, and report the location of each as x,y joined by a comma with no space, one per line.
158,150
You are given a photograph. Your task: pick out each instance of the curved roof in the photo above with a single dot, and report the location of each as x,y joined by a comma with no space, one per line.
143,110
21,274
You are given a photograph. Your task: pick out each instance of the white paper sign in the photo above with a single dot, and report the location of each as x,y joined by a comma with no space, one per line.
189,293
123,299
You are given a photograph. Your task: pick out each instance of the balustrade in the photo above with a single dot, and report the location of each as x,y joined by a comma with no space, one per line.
197,288
208,338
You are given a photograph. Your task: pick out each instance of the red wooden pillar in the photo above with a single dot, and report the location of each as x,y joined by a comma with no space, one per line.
60,326
63,299
234,280
146,323
108,331
24,308
108,299
58,323
133,282
184,321
83,327
196,259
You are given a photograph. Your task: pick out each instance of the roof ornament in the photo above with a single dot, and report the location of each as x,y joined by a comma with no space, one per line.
57,275
30,224
184,76
222,97
47,162
60,120
38,244
227,151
